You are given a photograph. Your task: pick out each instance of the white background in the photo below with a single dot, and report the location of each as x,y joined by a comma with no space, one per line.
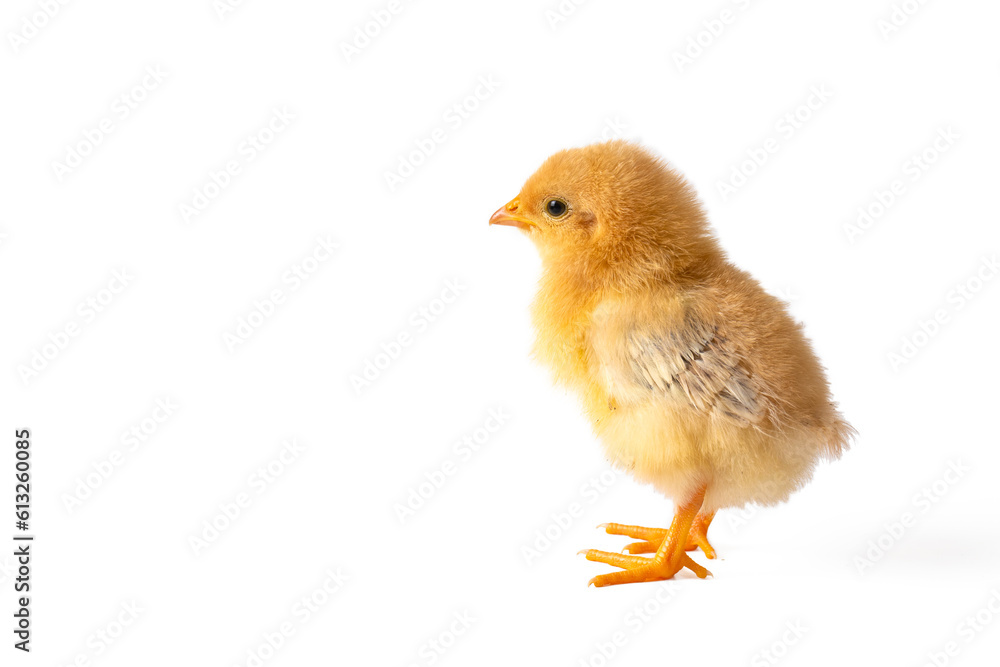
836,562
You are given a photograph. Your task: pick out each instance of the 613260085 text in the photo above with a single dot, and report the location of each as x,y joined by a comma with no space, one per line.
22,542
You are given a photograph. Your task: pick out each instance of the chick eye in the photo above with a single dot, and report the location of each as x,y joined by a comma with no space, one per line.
556,208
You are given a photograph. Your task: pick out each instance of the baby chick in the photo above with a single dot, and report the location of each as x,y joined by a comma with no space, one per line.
695,379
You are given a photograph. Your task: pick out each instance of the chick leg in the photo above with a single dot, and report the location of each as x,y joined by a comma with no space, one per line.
652,538
670,556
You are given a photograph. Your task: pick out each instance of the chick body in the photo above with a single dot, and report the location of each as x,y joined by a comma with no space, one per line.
757,439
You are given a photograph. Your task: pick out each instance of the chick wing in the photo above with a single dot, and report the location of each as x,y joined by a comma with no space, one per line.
686,362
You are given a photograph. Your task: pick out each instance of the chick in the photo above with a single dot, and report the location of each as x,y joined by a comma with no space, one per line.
695,379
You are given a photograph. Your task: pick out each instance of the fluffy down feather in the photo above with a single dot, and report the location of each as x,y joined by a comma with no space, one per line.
689,371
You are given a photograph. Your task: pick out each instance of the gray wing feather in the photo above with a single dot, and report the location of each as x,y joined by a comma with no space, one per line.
697,365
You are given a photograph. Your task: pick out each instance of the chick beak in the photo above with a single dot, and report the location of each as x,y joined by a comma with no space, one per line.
507,215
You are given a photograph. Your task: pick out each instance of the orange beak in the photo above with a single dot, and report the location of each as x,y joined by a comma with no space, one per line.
507,215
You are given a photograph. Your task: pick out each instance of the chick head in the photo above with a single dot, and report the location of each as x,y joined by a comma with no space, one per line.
612,215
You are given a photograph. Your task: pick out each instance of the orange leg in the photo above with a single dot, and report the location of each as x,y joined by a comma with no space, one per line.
653,537
670,556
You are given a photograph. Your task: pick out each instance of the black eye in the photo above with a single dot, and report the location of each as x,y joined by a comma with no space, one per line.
556,208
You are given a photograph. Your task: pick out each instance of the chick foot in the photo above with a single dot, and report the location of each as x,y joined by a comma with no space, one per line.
670,555
645,569
698,537
652,538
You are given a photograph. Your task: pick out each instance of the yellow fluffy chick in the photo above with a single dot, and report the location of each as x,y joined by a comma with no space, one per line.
696,380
